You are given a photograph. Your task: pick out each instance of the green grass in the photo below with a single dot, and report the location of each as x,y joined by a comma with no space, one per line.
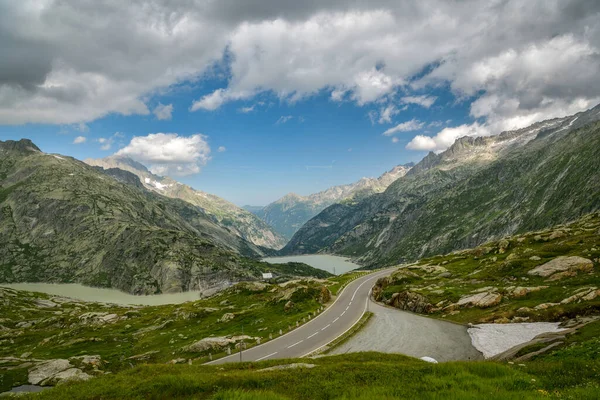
569,372
59,333
353,376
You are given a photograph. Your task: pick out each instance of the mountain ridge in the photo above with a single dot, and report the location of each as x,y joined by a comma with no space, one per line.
241,222
64,221
287,214
507,181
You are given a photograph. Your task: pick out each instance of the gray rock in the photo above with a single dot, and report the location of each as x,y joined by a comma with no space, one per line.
570,264
482,300
69,375
46,370
45,303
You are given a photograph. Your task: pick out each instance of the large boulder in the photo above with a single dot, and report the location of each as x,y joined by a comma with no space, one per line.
46,370
68,375
214,343
481,300
568,265
411,301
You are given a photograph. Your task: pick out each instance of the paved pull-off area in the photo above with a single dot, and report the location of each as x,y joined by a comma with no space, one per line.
395,331
331,323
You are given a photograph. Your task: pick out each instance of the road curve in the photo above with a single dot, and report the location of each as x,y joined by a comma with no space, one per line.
340,316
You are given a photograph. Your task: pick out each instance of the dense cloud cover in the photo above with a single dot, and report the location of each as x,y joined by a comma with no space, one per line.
518,62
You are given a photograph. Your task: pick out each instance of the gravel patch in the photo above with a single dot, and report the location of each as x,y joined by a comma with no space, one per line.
492,339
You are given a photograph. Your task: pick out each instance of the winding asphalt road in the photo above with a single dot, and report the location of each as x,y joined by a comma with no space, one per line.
340,316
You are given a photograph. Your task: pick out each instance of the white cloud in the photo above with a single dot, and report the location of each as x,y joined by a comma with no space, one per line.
221,149
79,140
81,127
423,100
163,112
169,153
283,119
408,126
107,143
386,114
525,60
247,110
446,137
395,140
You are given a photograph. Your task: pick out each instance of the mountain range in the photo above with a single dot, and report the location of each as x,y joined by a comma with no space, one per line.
480,189
226,214
290,212
62,220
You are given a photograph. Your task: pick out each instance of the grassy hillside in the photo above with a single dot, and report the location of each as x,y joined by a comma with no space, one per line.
35,327
569,372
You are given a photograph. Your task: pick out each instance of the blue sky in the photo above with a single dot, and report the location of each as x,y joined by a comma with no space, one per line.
325,143
253,99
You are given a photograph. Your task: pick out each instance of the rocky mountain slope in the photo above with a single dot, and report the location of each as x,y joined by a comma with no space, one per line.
226,214
62,220
480,189
289,213
548,275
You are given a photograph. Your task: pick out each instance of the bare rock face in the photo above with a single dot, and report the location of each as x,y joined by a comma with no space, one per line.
519,291
68,375
584,294
481,300
214,343
563,265
411,302
44,371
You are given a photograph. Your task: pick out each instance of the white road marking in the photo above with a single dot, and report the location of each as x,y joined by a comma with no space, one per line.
342,314
312,335
289,347
347,308
336,319
262,358
349,304
328,325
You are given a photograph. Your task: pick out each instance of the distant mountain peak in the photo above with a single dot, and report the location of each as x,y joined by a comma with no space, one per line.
23,145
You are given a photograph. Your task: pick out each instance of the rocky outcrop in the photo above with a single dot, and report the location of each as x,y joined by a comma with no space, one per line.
567,266
215,343
520,291
50,373
411,301
583,294
481,300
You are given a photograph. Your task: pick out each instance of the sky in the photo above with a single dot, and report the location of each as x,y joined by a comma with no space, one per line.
252,99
